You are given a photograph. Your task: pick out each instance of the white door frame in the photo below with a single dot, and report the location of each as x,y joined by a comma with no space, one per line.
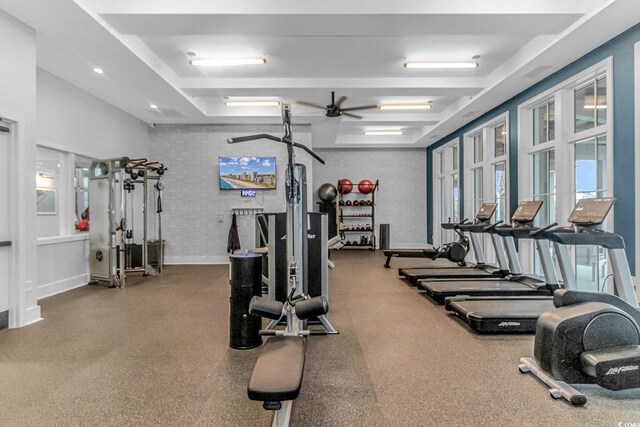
23,306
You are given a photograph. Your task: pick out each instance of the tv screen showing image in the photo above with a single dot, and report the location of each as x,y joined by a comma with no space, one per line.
240,173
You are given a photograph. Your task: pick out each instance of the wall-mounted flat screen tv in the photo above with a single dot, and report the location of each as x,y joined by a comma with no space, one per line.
240,173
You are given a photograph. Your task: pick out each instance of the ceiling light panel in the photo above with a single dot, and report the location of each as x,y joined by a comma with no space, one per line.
405,106
226,62
252,103
441,65
382,132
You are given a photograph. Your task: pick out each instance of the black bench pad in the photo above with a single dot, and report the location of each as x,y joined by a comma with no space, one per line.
277,375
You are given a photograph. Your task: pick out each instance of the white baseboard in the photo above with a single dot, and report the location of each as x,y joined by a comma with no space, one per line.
60,286
31,315
177,260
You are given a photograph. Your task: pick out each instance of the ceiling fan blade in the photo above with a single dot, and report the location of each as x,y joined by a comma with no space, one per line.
351,115
340,101
308,104
364,107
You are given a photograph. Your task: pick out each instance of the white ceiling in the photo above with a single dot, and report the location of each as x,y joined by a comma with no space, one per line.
356,48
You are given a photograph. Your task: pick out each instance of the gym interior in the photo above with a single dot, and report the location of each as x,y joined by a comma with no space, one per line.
331,213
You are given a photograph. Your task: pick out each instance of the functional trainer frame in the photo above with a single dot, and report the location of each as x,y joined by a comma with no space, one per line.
110,231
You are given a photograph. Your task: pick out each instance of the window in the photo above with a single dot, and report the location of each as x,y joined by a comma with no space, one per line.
500,138
446,191
500,182
478,149
591,168
478,189
544,123
565,134
590,102
455,157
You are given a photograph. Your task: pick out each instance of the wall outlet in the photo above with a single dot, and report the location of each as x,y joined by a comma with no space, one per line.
220,218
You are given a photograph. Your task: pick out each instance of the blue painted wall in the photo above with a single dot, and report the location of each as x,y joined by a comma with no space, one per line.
621,48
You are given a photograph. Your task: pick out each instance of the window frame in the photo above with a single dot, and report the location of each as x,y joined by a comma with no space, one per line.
443,204
563,144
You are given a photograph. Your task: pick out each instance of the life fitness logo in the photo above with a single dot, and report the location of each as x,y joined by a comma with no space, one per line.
622,369
621,424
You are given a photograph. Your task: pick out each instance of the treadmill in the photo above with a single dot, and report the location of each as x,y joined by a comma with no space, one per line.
520,314
516,284
480,270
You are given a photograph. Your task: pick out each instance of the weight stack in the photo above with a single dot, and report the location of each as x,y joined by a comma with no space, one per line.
246,282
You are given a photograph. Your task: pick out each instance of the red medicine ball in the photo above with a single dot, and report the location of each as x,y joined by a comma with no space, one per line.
366,186
345,186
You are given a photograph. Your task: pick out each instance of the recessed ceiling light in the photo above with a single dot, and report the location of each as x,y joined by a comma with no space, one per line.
222,62
252,103
405,107
382,132
441,65
154,106
98,70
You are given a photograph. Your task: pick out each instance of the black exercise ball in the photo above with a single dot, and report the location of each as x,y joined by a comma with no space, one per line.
327,192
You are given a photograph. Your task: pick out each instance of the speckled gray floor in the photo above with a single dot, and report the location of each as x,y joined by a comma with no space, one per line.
157,353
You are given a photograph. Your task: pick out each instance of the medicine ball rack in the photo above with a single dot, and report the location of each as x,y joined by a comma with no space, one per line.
352,207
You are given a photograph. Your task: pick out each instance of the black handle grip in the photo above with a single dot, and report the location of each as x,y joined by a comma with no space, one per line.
463,221
493,226
540,230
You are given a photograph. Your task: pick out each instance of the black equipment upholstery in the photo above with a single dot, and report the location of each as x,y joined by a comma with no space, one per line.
277,375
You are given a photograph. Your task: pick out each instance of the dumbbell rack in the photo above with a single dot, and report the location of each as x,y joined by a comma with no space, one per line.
357,221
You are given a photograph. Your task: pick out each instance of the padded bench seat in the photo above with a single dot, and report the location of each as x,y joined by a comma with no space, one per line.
277,375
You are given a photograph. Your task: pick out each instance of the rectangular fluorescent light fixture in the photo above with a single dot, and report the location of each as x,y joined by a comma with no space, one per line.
382,132
252,103
595,107
227,62
406,107
441,65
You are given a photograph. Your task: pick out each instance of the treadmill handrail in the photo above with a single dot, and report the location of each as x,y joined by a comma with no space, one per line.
540,230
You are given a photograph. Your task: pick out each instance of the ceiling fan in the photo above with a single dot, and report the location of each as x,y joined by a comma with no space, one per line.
334,110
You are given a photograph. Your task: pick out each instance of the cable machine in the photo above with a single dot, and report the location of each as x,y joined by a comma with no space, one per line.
112,214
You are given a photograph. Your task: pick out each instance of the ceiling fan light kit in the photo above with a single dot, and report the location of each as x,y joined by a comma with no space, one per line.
334,109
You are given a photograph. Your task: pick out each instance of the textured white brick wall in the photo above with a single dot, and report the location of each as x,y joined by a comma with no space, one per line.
193,200
401,200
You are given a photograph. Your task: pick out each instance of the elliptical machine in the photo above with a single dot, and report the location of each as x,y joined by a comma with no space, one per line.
592,337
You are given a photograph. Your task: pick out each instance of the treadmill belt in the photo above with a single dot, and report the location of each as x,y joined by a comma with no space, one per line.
497,316
440,290
417,274
502,309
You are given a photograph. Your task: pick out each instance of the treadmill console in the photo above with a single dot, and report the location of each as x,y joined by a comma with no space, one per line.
589,212
526,211
486,212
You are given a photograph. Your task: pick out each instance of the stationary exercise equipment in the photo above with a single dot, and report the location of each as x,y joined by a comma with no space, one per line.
271,239
345,186
113,204
455,252
481,270
516,283
327,192
591,337
277,375
512,307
